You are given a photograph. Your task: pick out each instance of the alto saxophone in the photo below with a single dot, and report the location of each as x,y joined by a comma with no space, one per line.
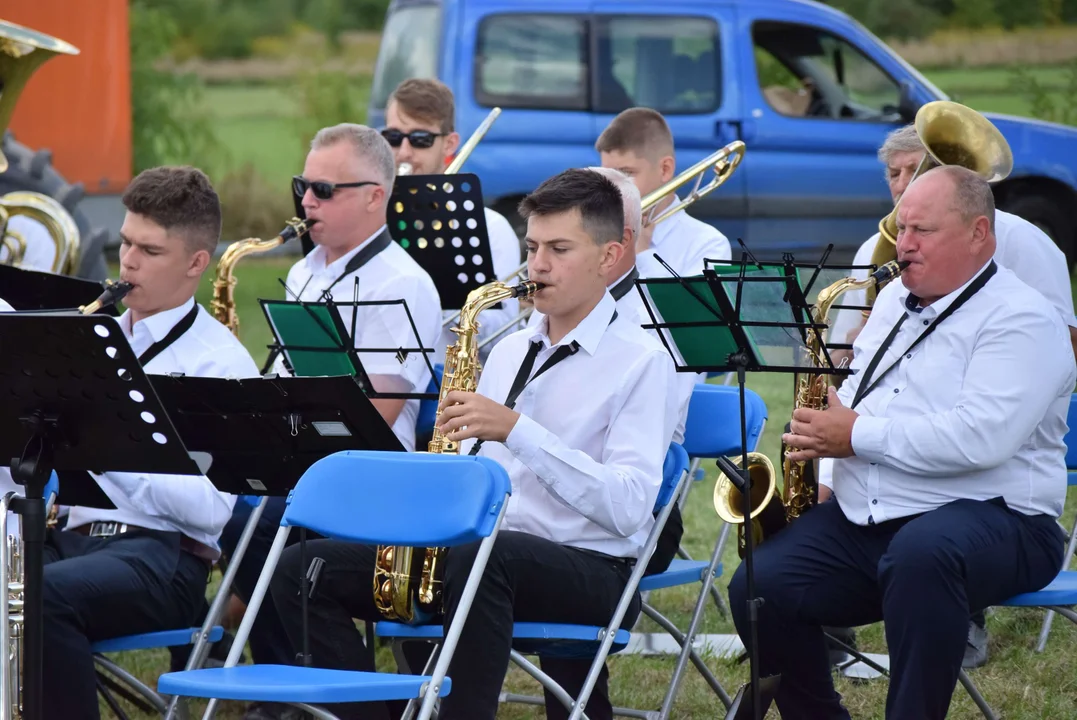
800,485
407,584
223,304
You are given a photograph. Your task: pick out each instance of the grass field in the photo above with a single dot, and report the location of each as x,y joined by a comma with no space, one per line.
1020,684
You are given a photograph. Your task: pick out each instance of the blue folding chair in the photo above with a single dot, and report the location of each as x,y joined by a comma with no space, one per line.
1071,465
712,430
567,640
453,500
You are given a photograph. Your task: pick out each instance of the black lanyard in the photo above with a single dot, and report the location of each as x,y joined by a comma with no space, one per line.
972,289
361,258
621,289
523,375
173,335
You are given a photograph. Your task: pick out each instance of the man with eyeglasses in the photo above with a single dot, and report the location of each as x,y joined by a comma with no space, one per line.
345,188
419,127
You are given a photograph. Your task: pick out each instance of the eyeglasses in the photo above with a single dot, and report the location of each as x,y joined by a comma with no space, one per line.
322,190
419,139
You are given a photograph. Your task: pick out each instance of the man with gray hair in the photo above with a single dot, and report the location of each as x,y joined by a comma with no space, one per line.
949,467
344,189
1020,246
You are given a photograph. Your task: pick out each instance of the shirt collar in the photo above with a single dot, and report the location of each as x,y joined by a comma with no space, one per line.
912,302
627,273
158,324
588,333
315,260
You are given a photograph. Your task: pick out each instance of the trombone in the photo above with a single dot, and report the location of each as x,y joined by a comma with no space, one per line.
724,162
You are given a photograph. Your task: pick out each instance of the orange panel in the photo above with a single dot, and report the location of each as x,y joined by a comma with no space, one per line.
79,106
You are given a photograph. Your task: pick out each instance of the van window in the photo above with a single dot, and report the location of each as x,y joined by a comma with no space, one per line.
532,61
666,63
410,43
808,72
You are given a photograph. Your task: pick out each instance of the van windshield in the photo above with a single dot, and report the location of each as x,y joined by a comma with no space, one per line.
409,49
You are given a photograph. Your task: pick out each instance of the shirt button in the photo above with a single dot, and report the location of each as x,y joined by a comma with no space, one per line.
896,391
874,464
925,322
874,502
909,356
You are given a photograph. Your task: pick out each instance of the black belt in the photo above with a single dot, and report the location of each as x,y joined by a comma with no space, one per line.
628,562
107,528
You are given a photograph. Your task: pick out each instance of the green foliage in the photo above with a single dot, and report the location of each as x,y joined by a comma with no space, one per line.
168,125
908,19
328,97
1047,103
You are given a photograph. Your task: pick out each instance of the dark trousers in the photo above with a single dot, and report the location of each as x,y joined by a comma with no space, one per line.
922,575
101,588
526,579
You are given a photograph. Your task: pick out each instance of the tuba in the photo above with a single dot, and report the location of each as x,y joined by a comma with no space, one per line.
951,134
223,304
770,512
22,52
407,584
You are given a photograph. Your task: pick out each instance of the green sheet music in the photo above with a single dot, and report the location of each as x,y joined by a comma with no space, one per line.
294,327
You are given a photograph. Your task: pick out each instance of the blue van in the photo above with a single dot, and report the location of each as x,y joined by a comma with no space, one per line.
810,91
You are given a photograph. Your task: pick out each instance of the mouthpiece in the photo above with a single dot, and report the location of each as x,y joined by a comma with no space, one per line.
904,264
889,271
114,292
526,289
296,228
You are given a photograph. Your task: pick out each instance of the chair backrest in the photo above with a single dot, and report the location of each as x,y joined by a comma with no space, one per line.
393,498
676,463
428,409
713,426
1071,434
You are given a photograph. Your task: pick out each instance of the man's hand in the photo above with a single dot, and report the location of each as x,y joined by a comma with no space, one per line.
466,415
821,433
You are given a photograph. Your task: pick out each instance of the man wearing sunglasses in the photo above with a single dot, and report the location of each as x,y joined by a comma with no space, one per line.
345,187
419,127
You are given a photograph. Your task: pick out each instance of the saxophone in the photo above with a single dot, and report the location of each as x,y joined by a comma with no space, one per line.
801,486
223,304
770,510
407,584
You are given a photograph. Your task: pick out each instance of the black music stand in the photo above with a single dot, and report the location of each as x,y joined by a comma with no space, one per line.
28,290
440,220
76,400
745,317
263,434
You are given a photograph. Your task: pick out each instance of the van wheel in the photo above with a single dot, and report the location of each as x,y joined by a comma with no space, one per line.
33,171
1047,215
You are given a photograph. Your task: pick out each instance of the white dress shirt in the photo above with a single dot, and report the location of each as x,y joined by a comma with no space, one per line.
684,242
977,410
189,504
505,252
585,456
4,307
1020,246
390,275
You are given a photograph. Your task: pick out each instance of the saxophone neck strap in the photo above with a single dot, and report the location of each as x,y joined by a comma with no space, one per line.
868,383
625,284
177,331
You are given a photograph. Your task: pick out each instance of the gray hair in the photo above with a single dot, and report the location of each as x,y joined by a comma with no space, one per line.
369,146
972,194
902,140
629,197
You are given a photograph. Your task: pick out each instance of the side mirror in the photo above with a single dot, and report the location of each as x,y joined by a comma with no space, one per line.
907,104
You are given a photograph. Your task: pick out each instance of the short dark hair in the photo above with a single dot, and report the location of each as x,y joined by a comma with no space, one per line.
181,199
638,130
426,100
595,197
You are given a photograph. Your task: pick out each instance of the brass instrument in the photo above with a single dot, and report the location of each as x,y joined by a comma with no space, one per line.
951,134
113,293
468,147
407,585
22,52
770,512
12,619
223,304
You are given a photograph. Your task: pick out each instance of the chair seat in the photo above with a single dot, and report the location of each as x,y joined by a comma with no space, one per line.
289,683
149,641
680,572
1061,591
545,639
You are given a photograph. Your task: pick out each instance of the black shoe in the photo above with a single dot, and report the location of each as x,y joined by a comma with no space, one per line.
836,652
976,649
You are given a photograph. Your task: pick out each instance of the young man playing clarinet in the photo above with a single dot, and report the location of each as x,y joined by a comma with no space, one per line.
583,440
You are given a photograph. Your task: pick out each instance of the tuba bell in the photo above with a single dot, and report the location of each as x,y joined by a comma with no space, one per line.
951,134
23,51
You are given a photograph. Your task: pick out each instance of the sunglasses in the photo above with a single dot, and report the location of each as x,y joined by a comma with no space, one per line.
322,190
419,139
